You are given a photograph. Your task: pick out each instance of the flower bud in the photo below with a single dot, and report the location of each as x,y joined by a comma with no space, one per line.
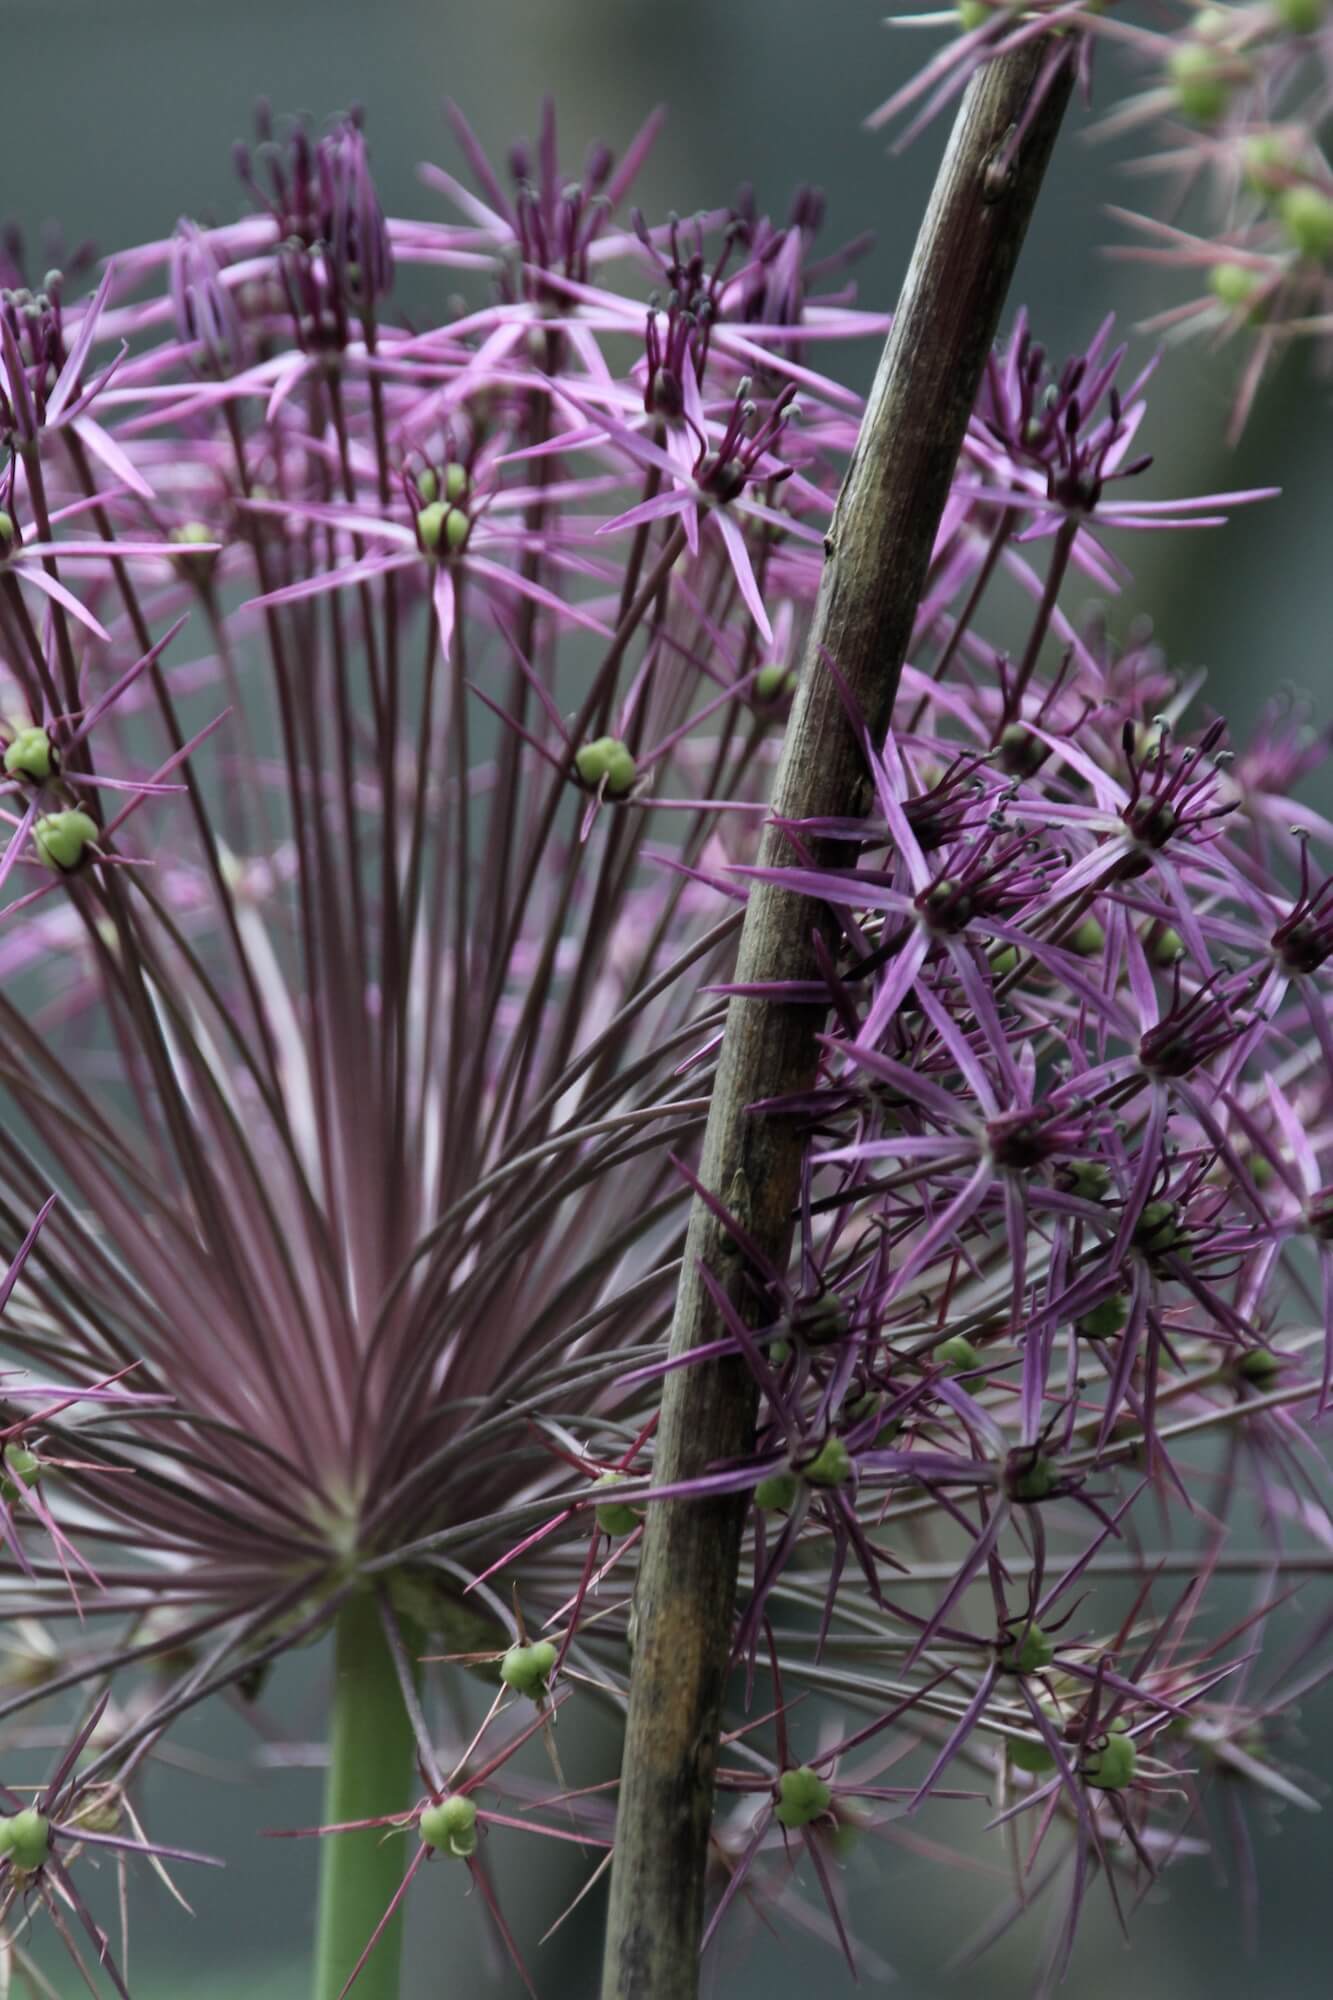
26,1838
831,1465
802,1797
526,1669
455,482
1306,214
7,528
427,484
777,1494
62,838
607,762
615,1517
450,1827
32,755
1112,1767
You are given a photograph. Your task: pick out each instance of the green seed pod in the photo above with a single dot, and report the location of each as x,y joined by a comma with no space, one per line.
1300,17
821,1320
1158,1231
1088,939
615,1517
779,1353
1234,285
427,484
1111,1768
1021,751
831,1465
455,482
430,525
457,528
7,529
450,1827
26,1465
1029,1753
1260,1366
802,1797
1199,82
526,1669
1306,214
1167,945
1265,158
1003,961
1028,1655
777,1494
1034,1481
62,838
606,758
27,1837
1106,1321
1088,1179
191,533
100,1811
774,682
957,1356
32,755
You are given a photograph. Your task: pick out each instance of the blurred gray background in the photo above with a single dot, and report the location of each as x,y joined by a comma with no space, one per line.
118,116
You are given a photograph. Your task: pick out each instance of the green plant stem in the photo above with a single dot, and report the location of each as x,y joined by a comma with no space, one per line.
370,1773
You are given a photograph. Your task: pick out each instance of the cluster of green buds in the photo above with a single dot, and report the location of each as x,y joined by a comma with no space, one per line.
30,755
443,521
450,1827
25,1837
606,765
527,1668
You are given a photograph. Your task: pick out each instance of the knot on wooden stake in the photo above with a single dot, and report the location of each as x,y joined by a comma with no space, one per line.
998,177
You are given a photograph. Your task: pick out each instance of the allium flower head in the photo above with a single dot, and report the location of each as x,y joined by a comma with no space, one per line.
389,714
